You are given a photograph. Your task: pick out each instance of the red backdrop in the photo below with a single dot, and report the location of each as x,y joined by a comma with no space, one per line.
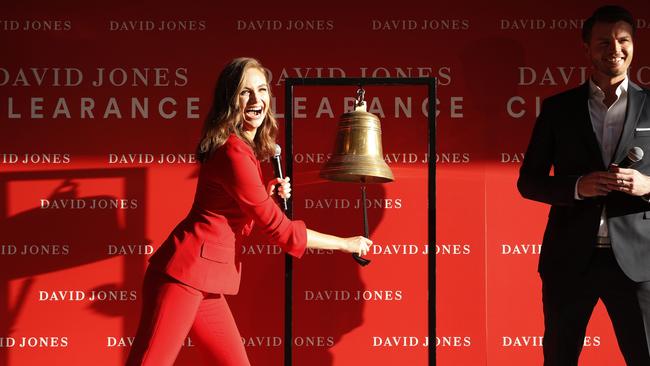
92,96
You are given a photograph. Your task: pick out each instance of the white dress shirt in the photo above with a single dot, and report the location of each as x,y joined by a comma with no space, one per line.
608,125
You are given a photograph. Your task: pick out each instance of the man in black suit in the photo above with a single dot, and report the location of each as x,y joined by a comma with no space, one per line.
597,239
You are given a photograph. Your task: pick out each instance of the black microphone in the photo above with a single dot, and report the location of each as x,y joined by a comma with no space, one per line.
277,168
634,155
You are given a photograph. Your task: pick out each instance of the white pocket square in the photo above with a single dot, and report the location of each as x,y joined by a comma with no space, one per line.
643,129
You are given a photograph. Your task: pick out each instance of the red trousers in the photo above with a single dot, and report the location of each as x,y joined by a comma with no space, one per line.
170,310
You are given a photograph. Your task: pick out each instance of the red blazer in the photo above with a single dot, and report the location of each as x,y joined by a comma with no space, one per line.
230,197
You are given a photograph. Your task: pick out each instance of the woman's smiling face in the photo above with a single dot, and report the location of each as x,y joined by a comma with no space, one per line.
253,100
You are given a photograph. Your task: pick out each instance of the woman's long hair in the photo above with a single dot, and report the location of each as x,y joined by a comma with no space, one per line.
225,116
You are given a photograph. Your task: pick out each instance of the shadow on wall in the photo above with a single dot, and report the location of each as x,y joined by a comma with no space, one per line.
320,324
78,237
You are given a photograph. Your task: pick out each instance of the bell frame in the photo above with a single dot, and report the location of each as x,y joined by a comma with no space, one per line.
431,196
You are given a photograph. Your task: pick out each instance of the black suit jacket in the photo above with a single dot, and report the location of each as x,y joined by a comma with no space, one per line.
563,138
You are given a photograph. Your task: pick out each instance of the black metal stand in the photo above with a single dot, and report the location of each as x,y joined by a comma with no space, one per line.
288,110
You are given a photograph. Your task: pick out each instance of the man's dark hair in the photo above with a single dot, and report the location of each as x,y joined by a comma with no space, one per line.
607,14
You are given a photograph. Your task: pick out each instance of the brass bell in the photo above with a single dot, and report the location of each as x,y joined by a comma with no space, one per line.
358,154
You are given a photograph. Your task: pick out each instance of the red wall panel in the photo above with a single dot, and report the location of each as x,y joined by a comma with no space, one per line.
494,63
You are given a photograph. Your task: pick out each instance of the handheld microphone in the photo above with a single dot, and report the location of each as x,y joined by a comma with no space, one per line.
634,155
277,168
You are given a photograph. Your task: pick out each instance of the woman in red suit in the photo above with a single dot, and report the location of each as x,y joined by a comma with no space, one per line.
192,270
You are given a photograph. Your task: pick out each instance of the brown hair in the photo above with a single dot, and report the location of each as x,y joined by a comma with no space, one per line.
607,14
225,117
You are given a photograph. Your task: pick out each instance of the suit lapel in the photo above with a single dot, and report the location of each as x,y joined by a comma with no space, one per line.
586,128
635,102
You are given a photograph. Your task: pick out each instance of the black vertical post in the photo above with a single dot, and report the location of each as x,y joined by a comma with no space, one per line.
8,316
288,261
432,220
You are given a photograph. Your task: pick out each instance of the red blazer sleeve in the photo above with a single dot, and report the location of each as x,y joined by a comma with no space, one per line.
240,178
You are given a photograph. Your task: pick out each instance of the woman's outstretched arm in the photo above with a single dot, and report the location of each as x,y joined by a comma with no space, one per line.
355,244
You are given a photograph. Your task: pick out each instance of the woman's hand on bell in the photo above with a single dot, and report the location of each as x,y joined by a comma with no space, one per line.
357,244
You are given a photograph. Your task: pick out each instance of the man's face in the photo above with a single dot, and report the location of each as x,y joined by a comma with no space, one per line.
610,50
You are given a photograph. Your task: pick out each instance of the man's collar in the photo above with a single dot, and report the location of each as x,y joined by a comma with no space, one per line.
595,90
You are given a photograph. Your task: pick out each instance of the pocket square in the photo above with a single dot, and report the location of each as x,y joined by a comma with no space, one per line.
643,129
